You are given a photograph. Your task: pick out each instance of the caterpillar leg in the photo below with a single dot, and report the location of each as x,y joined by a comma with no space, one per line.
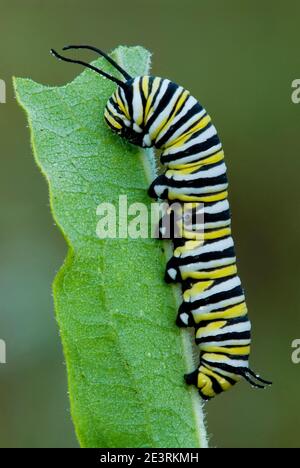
184,317
232,368
209,382
192,378
253,378
172,274
158,188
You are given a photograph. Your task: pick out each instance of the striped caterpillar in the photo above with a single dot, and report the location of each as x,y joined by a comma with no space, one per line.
154,112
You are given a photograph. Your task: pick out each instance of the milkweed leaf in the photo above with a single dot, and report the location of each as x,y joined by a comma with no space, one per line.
125,357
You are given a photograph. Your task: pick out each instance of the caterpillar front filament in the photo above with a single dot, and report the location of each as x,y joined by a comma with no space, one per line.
155,112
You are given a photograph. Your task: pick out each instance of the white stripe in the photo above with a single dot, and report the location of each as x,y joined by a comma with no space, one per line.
155,86
217,306
193,157
184,318
163,115
183,128
223,372
205,265
235,342
213,172
218,246
222,287
190,102
164,86
203,225
236,328
207,189
225,360
217,224
172,273
124,99
137,104
217,207
115,113
204,136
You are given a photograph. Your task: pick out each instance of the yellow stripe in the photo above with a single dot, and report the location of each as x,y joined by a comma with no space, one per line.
196,289
225,385
241,351
204,383
220,273
192,235
149,102
200,198
210,327
178,107
196,234
187,247
233,376
166,122
181,101
209,160
216,357
213,159
172,116
160,128
236,311
145,88
184,171
185,137
112,121
121,105
217,234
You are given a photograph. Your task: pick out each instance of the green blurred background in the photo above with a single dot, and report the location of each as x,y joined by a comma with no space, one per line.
239,59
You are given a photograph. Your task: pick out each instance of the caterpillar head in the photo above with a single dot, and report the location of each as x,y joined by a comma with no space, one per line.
117,114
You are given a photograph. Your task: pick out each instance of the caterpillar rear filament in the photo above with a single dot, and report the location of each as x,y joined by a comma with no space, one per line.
155,112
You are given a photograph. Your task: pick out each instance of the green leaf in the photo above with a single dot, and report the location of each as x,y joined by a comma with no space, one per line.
125,356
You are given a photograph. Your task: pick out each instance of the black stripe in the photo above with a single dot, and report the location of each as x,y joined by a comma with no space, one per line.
215,385
150,84
115,106
208,217
164,101
125,104
206,257
155,96
207,167
193,196
201,182
185,118
228,379
197,133
226,367
158,142
214,217
193,150
143,98
238,291
231,321
128,91
246,335
215,229
115,117
212,269
231,381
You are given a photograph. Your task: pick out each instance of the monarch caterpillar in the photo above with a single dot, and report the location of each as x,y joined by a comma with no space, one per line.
155,112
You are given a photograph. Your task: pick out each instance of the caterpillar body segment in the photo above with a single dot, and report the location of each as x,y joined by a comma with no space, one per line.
150,111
